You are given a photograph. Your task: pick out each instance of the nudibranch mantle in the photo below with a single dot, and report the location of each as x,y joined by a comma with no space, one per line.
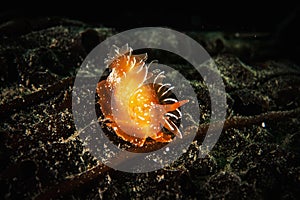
130,99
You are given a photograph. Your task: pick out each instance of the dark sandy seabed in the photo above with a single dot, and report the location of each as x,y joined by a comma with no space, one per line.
41,156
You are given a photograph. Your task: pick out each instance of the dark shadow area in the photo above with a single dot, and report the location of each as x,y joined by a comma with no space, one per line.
280,21
242,17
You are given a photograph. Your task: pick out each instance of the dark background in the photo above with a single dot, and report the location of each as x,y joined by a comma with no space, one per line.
279,20
242,16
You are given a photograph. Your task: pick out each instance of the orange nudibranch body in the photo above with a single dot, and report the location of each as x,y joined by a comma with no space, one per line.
130,99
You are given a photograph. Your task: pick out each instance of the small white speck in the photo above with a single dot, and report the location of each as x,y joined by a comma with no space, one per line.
167,149
263,124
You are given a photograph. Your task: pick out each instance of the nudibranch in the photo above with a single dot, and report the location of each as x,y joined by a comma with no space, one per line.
135,102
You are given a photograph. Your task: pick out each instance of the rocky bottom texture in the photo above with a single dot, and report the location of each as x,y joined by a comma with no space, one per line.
42,156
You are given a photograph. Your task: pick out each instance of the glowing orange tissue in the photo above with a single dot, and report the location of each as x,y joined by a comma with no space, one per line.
135,102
